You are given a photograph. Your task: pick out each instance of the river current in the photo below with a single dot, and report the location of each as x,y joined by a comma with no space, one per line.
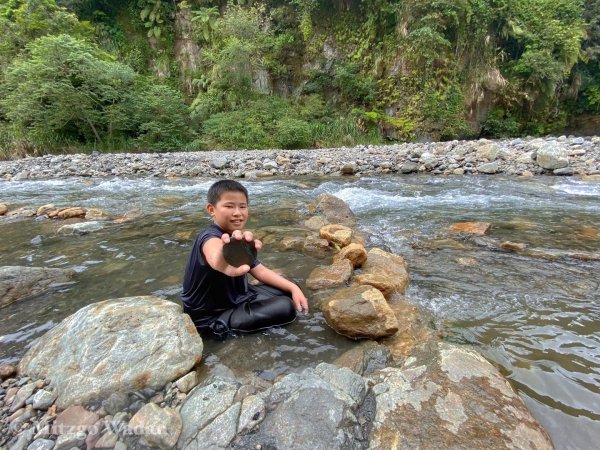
535,315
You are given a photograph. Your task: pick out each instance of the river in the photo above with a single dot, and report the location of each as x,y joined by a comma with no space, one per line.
536,318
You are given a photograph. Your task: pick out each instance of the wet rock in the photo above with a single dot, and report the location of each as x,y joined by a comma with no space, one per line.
80,228
7,371
476,228
117,401
3,209
360,312
565,171
319,408
120,345
96,214
338,234
157,427
551,156
292,243
334,209
324,277
513,246
315,223
365,358
45,209
355,253
315,245
450,397
385,271
18,282
68,213
74,419
21,212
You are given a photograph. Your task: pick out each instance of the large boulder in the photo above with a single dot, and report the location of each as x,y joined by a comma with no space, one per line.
360,312
120,345
333,209
323,277
447,396
384,271
551,156
17,282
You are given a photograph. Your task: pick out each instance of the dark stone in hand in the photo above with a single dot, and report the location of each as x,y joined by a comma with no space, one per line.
238,253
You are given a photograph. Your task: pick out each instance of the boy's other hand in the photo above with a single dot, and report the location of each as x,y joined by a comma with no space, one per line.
300,302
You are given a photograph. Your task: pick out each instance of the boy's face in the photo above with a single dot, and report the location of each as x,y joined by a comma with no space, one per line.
231,211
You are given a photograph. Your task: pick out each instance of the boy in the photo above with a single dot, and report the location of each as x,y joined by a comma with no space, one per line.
215,294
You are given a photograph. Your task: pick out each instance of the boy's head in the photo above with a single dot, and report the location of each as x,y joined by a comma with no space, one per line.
220,187
228,205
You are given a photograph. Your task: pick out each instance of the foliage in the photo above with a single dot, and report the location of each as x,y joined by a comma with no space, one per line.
499,124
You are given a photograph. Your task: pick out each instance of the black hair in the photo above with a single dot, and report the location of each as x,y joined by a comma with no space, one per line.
222,186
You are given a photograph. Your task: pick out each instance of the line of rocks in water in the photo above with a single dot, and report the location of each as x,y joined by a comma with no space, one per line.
528,156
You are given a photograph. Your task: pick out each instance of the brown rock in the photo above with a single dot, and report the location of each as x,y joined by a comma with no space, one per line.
477,228
42,210
334,209
291,243
7,371
96,214
384,271
315,223
316,246
74,419
3,209
338,234
412,330
323,277
129,216
69,213
513,246
360,312
157,427
355,253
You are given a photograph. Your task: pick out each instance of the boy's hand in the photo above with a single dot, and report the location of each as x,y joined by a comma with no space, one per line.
237,234
300,302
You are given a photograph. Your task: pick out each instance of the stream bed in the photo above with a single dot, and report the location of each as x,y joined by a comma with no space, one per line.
535,315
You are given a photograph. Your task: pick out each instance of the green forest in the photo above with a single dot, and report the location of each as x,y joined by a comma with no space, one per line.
149,75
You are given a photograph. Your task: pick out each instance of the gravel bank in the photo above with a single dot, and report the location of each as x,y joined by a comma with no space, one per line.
529,156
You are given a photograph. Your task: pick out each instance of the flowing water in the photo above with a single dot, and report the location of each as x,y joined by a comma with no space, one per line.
534,314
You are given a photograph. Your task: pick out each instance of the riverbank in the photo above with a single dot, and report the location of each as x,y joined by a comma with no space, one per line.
529,156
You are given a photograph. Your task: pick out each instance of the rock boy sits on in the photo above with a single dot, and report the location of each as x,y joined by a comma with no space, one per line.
216,294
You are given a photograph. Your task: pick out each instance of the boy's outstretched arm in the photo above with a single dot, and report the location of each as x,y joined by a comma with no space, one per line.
212,251
267,276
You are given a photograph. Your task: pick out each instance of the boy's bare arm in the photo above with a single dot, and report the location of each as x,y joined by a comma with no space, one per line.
267,276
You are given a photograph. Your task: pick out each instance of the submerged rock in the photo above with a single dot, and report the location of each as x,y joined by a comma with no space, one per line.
3,209
476,228
446,396
324,277
17,282
120,345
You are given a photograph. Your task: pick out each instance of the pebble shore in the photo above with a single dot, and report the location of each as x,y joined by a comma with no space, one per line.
528,156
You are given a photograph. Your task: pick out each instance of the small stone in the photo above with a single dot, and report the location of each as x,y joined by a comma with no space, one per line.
7,371
409,167
219,163
22,396
43,399
476,228
513,246
74,419
578,141
157,427
323,277
3,209
489,168
458,171
43,210
338,234
23,439
107,441
348,169
186,383
41,444
115,403
565,171
69,440
120,446
37,240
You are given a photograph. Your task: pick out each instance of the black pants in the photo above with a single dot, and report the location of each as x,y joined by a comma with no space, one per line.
270,308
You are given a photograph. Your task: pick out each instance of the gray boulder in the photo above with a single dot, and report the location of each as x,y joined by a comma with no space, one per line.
17,282
446,396
552,156
120,345
333,209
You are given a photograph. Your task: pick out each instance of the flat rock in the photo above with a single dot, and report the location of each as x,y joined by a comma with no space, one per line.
74,419
476,228
360,312
315,223
80,228
17,282
450,397
323,277
121,345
